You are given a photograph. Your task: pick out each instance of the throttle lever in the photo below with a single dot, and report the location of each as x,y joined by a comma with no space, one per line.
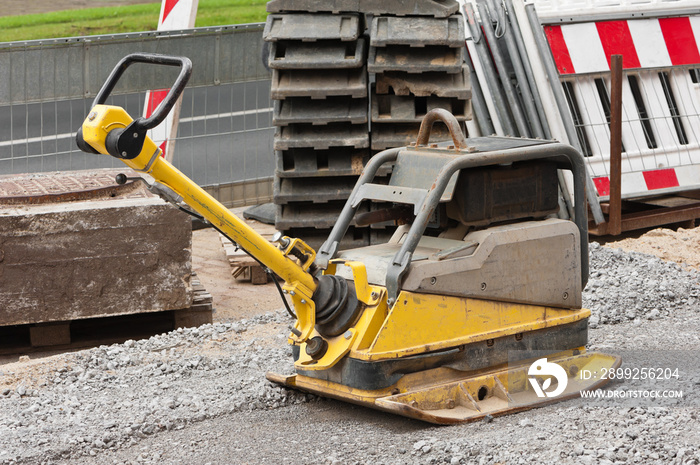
121,178
159,189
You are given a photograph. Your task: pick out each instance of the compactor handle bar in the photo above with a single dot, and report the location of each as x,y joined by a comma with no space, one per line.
167,104
127,143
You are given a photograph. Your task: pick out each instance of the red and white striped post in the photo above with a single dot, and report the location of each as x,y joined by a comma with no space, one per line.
174,15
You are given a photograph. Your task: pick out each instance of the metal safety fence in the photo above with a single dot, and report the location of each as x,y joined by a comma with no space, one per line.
660,126
224,141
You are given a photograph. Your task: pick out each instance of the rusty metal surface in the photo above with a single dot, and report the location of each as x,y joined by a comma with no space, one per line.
691,194
614,217
449,120
390,135
400,213
66,187
456,398
649,219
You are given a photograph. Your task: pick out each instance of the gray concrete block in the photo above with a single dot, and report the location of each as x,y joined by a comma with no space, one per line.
415,59
107,256
314,55
331,110
417,32
312,27
322,137
318,84
385,136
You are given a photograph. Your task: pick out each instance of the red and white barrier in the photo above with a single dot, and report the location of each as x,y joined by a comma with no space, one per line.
660,53
652,180
643,43
174,15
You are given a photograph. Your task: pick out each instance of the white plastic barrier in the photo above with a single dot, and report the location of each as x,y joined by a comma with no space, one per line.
661,87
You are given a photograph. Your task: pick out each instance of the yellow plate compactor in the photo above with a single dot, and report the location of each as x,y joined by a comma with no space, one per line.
472,308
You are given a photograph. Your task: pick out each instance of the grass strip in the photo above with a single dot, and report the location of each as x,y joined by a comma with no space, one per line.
121,19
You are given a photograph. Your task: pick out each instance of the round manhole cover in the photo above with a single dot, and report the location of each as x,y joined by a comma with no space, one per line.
62,187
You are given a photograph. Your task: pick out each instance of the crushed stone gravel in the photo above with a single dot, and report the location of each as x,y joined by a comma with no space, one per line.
629,286
199,395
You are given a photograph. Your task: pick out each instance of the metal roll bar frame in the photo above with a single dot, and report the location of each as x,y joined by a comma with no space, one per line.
565,156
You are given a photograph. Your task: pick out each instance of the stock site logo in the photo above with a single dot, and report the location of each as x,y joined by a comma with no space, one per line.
542,368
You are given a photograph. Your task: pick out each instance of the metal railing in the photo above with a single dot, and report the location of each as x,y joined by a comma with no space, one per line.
224,141
660,123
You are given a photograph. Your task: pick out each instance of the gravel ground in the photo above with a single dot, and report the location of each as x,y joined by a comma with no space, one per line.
199,396
630,286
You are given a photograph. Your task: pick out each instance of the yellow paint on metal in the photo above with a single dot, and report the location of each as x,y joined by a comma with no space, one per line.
358,337
338,347
308,252
495,393
417,323
105,118
370,323
420,323
306,320
366,293
447,396
364,331
329,389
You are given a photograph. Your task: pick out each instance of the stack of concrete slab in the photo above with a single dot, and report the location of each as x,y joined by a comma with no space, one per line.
319,61
76,245
319,83
418,65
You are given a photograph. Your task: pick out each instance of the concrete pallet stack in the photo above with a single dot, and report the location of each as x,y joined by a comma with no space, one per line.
416,63
319,61
319,84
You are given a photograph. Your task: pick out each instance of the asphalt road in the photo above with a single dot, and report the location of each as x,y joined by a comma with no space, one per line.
225,134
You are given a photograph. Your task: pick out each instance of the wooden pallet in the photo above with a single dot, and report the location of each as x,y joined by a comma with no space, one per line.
200,312
89,332
245,268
